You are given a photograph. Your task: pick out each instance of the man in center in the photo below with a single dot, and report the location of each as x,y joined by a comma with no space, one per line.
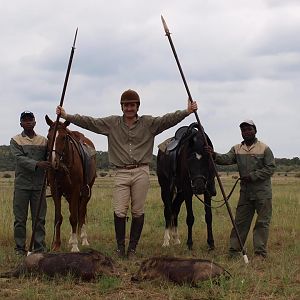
130,147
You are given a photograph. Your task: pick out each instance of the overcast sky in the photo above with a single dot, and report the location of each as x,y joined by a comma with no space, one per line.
241,60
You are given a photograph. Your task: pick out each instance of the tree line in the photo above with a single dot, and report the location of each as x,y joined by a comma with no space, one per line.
7,162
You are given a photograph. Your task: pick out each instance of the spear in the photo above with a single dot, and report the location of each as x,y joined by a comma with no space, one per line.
168,34
52,145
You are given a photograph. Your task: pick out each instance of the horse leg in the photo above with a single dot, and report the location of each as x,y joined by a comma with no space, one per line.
73,208
82,226
83,236
176,205
167,214
57,222
208,220
189,221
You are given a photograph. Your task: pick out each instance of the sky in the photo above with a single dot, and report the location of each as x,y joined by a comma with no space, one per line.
240,58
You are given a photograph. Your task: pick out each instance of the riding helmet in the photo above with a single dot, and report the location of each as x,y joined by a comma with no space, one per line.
130,96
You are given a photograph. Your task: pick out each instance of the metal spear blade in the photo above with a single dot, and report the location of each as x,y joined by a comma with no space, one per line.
165,26
75,37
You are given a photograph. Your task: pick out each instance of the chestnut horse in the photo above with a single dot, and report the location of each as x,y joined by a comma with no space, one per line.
72,175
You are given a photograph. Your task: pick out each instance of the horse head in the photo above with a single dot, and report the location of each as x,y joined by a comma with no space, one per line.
57,141
198,164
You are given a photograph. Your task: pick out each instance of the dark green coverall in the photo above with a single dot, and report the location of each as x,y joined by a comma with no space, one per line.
27,190
258,162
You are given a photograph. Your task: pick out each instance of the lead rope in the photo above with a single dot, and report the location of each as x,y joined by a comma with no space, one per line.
227,198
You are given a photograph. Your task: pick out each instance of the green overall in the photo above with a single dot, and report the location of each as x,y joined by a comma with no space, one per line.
258,162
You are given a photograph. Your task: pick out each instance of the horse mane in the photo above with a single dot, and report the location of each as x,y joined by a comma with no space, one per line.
78,136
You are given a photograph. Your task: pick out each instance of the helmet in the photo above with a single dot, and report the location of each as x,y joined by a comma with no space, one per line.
130,96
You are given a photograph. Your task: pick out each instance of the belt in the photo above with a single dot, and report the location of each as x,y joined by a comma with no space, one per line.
129,167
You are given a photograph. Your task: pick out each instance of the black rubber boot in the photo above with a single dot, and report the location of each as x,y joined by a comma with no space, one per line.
120,225
135,233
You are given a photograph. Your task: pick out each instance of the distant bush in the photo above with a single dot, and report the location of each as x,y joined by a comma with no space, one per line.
297,175
102,174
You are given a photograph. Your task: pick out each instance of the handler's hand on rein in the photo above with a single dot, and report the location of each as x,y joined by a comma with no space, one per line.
209,150
246,178
61,111
46,165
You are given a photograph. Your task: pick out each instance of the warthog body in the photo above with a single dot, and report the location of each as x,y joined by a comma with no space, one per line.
179,270
85,265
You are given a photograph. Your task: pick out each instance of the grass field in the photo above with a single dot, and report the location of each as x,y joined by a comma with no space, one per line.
276,278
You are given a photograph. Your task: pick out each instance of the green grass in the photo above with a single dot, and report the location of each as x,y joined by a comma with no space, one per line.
276,278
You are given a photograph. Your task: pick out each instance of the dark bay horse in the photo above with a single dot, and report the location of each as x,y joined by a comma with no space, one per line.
72,175
184,170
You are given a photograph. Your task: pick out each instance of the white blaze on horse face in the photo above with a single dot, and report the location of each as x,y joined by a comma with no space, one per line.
198,156
53,156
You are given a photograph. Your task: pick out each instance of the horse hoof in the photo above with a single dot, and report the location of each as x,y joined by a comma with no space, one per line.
75,249
85,243
211,248
55,248
177,242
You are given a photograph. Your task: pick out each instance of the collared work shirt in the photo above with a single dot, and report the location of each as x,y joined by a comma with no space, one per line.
27,153
257,161
132,145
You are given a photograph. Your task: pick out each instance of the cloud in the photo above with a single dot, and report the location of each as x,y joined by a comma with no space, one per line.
240,58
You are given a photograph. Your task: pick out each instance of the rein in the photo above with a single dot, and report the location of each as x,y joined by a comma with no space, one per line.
227,198
185,138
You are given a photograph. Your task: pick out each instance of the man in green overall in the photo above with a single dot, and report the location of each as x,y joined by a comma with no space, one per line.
29,150
256,165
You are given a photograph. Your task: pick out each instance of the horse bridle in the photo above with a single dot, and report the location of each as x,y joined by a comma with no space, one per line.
188,135
62,153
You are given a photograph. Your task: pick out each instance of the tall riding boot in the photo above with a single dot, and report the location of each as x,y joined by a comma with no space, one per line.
120,234
135,233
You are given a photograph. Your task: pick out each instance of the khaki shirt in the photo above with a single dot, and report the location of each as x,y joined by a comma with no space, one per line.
126,145
27,153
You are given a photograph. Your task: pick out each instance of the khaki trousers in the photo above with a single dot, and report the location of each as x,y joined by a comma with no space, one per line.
130,186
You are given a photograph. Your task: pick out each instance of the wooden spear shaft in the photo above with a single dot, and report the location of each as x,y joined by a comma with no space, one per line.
43,190
168,34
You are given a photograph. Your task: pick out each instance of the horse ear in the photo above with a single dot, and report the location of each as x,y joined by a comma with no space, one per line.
67,123
48,120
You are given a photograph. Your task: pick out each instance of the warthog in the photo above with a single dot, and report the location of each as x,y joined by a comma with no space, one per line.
179,270
84,265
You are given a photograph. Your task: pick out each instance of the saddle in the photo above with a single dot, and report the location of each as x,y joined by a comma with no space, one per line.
87,154
171,146
173,143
